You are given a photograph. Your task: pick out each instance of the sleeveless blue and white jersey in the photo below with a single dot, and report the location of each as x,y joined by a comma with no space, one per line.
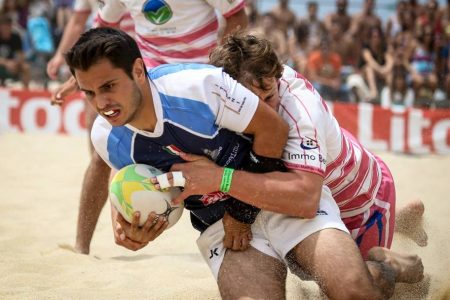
200,110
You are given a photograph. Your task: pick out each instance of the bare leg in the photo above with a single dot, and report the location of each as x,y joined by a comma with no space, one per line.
406,268
409,222
332,258
251,274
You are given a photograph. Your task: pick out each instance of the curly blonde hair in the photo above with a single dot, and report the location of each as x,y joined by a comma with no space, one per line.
247,58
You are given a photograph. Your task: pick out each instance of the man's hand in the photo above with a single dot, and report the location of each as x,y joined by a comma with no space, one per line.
66,89
54,65
237,235
133,237
202,176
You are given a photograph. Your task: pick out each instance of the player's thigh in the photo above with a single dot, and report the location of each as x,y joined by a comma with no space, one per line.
253,274
332,258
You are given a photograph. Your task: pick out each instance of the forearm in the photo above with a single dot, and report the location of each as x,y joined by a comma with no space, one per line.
75,27
270,132
235,22
281,192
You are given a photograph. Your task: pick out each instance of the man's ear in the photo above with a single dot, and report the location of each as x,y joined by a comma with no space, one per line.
139,69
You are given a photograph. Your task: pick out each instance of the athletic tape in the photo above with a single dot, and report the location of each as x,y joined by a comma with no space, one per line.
163,181
178,179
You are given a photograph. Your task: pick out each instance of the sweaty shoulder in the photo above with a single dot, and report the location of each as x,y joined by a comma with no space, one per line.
205,90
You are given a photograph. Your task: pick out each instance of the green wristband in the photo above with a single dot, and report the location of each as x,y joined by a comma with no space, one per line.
227,176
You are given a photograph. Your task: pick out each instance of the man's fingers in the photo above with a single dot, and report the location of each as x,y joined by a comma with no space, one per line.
191,157
228,241
236,243
135,220
151,218
180,198
245,242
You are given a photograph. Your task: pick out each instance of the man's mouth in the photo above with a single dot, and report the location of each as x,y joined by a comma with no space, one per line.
111,113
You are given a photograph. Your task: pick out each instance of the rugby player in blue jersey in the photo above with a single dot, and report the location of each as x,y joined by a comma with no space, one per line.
199,109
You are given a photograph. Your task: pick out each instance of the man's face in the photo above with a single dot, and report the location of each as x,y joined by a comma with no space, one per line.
270,95
113,94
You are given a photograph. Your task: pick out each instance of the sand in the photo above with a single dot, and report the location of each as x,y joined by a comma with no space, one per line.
40,178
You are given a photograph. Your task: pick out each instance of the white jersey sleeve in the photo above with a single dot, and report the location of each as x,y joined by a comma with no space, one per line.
207,91
308,118
227,8
84,6
111,11
99,137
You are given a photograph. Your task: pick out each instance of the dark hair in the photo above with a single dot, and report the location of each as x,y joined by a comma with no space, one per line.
103,43
247,59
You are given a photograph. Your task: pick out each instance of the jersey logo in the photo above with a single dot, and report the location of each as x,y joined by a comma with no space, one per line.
213,154
157,11
213,197
308,144
172,149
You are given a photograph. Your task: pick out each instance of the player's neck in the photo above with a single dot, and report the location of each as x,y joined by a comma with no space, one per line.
146,119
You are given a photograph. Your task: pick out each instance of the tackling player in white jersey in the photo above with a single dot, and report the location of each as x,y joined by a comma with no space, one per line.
319,153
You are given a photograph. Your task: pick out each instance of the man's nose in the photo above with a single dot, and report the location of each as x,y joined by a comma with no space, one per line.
103,101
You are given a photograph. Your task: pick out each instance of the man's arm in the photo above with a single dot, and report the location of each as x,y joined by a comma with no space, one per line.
270,132
75,27
236,21
295,193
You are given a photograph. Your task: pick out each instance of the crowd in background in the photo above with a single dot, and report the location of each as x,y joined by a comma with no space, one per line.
353,58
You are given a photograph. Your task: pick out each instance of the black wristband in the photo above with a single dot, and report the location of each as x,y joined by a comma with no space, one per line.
243,212
259,164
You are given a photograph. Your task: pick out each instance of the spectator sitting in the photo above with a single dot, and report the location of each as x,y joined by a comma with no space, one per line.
424,78
375,66
397,94
324,71
12,58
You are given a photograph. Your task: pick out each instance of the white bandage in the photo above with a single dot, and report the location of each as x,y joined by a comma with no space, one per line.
163,181
178,179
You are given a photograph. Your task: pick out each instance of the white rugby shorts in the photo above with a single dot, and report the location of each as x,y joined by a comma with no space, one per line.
273,234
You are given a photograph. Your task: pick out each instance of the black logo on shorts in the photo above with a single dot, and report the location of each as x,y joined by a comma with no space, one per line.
321,213
213,253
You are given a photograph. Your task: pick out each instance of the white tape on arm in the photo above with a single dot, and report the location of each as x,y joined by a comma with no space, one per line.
163,181
178,179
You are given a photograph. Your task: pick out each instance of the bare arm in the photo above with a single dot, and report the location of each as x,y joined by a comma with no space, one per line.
235,22
75,27
270,132
296,193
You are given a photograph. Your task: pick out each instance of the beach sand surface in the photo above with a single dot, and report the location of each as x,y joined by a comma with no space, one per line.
40,179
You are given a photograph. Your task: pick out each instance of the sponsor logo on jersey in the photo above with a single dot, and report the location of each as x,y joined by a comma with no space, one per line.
172,149
213,198
213,154
308,144
230,102
157,11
